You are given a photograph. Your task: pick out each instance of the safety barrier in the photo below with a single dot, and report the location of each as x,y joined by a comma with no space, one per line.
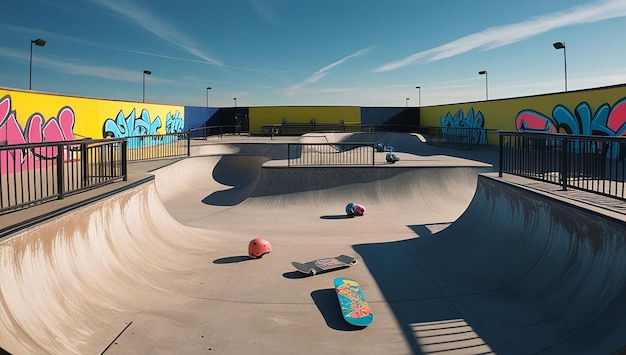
454,137
324,154
157,146
590,163
38,172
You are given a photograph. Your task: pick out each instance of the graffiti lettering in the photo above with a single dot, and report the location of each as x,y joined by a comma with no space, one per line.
37,130
459,124
141,131
606,121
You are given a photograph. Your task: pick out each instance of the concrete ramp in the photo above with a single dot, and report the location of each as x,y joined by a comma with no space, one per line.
442,193
163,266
201,186
520,272
72,284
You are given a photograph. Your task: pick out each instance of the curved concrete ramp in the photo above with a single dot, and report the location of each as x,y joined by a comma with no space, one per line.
443,192
518,272
70,285
201,186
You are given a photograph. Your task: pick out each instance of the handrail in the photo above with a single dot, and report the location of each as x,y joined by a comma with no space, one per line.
590,163
325,154
36,172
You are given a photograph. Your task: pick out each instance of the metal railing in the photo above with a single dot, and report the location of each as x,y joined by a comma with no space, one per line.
590,163
158,146
454,137
324,154
37,172
296,129
209,131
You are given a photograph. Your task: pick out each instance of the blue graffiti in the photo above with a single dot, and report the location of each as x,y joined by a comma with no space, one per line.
142,131
459,124
175,123
606,121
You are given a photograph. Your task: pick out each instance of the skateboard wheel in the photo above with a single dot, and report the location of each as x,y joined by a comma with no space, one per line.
353,262
312,272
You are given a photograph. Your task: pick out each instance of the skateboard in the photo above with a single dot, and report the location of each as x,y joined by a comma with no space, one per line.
323,265
354,308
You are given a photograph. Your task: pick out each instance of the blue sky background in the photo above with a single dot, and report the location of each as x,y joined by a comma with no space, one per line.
294,52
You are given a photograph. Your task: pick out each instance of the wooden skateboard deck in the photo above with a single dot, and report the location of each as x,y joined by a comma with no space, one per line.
354,308
323,265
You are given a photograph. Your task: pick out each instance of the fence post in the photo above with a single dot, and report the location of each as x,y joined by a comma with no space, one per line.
124,160
188,144
60,172
564,171
501,150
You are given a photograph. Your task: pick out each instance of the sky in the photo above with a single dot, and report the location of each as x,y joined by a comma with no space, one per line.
320,53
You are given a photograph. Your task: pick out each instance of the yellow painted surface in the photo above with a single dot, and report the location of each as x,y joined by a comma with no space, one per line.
501,114
89,114
302,114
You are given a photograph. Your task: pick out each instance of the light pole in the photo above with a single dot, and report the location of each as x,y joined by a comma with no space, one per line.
145,72
419,97
407,101
207,95
40,42
235,99
484,72
561,45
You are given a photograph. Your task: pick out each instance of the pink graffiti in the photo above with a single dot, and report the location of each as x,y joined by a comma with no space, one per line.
527,120
617,119
37,130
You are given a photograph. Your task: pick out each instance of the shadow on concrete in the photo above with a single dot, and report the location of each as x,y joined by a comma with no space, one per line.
241,173
232,259
294,275
518,272
328,305
336,216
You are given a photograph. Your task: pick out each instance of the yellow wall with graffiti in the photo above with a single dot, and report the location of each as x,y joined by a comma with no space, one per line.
90,114
260,116
502,114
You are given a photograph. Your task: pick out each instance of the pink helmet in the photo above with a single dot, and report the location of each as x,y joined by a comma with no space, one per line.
259,247
360,210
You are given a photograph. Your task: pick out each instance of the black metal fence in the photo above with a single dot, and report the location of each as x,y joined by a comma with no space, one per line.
209,131
591,163
158,146
37,172
296,129
454,137
324,154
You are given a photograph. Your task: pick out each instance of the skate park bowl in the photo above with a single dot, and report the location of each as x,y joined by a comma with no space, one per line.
452,259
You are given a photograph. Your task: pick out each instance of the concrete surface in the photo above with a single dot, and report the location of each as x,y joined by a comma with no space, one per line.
450,262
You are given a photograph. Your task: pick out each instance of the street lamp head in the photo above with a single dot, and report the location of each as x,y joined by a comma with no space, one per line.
558,45
208,88
40,42
482,72
148,72
417,87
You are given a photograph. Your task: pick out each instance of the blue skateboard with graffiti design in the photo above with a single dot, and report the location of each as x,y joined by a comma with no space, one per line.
354,308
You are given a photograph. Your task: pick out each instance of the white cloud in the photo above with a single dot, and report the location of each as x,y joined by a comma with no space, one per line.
503,35
323,72
268,9
157,26
63,65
